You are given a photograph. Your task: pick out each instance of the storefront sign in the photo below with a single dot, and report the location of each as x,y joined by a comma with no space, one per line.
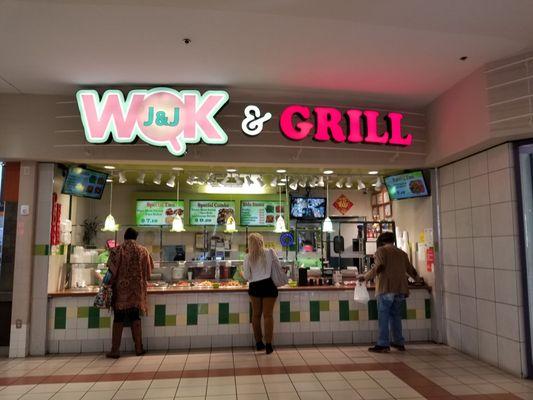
362,126
343,204
160,116
210,212
157,212
260,213
169,118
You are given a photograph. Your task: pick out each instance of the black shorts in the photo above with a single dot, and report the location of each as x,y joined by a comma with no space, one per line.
263,288
127,316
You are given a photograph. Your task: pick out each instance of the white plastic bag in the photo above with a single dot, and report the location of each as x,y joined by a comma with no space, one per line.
360,293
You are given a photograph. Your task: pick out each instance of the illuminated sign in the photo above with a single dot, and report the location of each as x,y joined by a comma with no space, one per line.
362,126
160,116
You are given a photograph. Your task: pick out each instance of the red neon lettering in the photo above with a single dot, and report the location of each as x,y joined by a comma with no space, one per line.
354,126
301,129
397,138
328,120
372,136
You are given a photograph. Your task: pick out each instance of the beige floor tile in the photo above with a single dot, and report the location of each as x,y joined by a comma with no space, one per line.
319,395
36,396
160,393
77,387
129,394
67,396
336,385
459,390
248,379
329,376
355,376
308,386
373,394
98,386
47,388
10,396
276,378
304,377
135,385
344,395
191,391
223,397
193,382
165,383
487,388
364,384
403,393
253,396
279,387
222,380
99,395
221,390
17,389
250,388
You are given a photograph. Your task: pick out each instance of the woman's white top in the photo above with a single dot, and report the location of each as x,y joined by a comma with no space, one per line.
260,270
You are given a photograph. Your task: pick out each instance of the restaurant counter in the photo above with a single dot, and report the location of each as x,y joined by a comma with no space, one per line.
193,317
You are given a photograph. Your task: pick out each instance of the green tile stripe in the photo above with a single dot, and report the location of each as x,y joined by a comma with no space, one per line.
372,310
295,316
160,314
170,320
60,318
234,318
344,310
105,322
427,304
83,312
314,308
192,314
41,250
94,318
284,311
223,313
203,309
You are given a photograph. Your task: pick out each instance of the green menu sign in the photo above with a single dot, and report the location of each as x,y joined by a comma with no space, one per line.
210,212
157,212
260,213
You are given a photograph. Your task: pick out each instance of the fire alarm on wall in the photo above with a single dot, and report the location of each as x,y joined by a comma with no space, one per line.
24,209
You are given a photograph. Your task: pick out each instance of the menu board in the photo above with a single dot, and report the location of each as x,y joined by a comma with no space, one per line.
157,212
210,212
260,213
407,185
84,183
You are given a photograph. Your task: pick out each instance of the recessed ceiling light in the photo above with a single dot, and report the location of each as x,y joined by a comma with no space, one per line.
373,172
109,167
177,168
328,172
281,171
231,170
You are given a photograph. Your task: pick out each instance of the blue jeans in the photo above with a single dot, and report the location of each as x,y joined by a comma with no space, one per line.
390,312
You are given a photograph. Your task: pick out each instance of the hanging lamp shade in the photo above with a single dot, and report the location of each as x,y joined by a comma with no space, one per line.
231,225
280,225
177,224
327,225
109,224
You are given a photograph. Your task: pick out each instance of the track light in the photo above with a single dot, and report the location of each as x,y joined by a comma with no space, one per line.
140,178
294,184
249,180
260,181
303,183
321,181
348,184
190,181
274,182
313,183
360,185
122,177
340,183
157,179
171,181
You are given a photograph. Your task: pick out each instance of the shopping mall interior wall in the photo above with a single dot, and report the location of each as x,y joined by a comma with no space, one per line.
479,250
458,120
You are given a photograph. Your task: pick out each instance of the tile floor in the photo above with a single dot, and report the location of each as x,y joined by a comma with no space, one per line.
306,373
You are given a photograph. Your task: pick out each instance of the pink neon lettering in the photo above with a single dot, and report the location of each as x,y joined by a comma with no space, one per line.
327,120
98,126
394,120
354,126
199,116
372,136
301,129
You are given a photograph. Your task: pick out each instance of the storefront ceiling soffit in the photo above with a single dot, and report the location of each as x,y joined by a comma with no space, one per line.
402,53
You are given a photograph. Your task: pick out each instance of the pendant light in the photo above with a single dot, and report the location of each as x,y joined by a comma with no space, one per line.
109,224
327,225
231,225
280,222
177,222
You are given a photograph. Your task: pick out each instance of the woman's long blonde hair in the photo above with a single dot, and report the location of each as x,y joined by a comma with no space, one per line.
256,248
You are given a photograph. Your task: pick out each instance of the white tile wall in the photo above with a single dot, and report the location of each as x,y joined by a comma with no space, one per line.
482,284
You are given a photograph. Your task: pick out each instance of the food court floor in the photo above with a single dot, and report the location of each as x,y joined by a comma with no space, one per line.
327,372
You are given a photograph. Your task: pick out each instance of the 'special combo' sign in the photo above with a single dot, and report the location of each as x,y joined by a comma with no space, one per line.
169,118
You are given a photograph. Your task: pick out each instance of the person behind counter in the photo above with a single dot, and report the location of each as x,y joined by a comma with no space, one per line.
131,265
263,293
391,267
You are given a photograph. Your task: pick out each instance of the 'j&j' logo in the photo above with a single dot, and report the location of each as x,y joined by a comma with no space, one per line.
160,116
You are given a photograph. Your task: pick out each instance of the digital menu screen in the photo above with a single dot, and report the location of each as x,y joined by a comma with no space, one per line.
210,212
157,212
260,213
84,182
406,186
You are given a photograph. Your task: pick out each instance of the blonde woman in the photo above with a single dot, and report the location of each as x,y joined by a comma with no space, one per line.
258,265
